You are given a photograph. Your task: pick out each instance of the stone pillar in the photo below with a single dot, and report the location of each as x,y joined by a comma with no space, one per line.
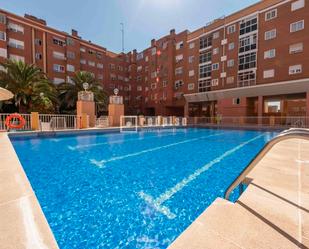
35,122
260,109
115,110
86,108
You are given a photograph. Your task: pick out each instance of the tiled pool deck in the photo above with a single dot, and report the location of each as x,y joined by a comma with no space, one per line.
22,222
273,212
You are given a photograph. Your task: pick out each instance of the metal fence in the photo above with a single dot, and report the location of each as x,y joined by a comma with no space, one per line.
50,122
265,121
26,127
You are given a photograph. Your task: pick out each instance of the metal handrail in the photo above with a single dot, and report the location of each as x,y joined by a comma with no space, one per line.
287,134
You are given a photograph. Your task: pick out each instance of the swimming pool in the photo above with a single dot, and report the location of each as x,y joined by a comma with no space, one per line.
132,190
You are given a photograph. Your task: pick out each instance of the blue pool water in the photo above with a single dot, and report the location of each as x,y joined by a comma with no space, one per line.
132,190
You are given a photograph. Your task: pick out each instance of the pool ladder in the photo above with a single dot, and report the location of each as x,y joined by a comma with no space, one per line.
297,133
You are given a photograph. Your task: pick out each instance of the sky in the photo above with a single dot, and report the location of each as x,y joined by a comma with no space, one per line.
99,20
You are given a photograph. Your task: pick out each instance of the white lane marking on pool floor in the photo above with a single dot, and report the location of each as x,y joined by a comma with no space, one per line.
116,141
101,164
157,203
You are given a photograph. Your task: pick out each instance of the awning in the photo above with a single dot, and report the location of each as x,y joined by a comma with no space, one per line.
287,87
5,94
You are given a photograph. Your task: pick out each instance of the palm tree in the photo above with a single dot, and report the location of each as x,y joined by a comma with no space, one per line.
68,92
30,86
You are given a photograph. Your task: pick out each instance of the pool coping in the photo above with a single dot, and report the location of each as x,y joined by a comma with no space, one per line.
22,219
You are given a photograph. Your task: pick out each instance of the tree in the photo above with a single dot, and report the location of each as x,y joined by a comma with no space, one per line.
30,86
68,92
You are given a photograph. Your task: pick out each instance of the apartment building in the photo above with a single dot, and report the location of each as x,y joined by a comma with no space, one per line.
254,62
60,54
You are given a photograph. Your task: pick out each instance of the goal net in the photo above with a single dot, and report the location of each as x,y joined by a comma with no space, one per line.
128,123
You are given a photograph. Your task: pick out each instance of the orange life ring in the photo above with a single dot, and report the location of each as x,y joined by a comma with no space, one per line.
21,124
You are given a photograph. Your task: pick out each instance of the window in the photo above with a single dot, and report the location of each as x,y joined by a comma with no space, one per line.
164,45
297,5
247,43
214,82
14,57
204,85
58,42
82,49
16,28
231,46
272,14
38,42
2,19
112,66
216,35
296,69
146,58
164,83
139,68
139,88
178,84
3,52
179,58
100,65
205,42
191,59
99,55
153,86
296,48
215,66
230,80
191,73
191,45
70,41
58,55
58,68
153,74
271,34
91,63
269,74
178,70
205,71
179,45
216,51
236,101
83,61
71,55
153,51
139,56
297,26
231,29
205,57
70,68
2,36
272,106
247,61
270,54
191,86
16,44
230,63
58,80
247,78
90,51
248,25
38,56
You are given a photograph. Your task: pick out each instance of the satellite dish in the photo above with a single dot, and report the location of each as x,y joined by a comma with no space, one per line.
116,91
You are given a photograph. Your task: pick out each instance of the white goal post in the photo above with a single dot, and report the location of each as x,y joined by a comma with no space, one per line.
128,123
